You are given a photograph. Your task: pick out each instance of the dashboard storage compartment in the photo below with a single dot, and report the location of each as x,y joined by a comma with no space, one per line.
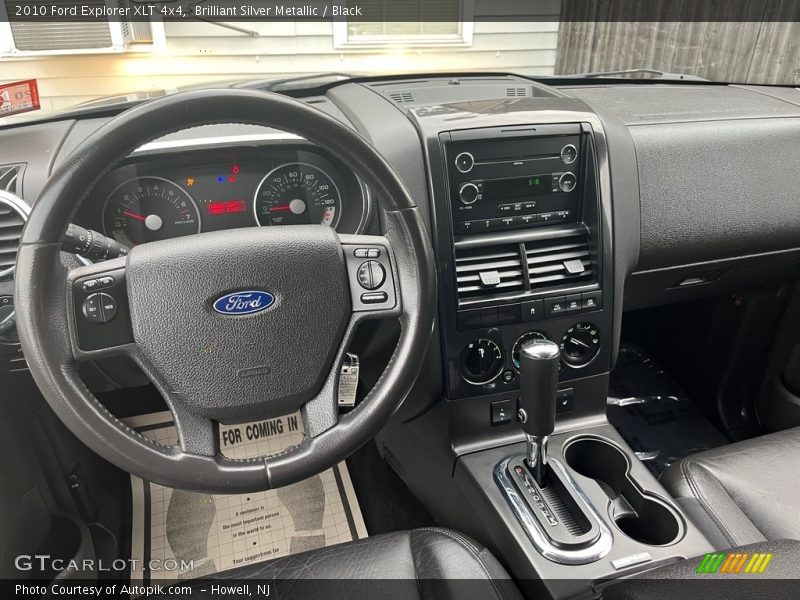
636,513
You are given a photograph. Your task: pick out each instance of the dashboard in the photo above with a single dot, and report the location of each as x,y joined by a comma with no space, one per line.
552,207
165,193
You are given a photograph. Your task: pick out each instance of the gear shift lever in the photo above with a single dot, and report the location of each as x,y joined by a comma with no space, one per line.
537,403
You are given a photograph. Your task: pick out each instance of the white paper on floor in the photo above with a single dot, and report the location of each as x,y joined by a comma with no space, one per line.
171,528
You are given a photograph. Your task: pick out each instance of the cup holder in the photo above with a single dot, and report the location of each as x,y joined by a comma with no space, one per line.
636,514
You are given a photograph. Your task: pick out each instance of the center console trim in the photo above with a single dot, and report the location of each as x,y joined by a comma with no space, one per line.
538,537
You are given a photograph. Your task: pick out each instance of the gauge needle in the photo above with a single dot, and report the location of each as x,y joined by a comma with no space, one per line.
127,213
281,207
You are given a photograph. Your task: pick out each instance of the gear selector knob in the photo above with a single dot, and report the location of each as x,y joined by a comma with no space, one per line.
537,403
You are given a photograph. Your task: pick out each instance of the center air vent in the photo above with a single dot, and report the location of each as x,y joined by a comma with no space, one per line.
13,214
489,271
401,97
558,261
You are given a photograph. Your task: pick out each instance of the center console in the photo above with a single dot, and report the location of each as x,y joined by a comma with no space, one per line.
519,452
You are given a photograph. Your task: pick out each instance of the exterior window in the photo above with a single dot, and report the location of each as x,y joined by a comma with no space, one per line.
413,23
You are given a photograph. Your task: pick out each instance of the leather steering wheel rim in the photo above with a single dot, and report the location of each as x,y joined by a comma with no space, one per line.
44,301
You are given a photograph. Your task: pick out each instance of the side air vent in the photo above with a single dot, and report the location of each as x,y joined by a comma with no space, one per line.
559,261
13,214
489,271
516,92
401,97
10,178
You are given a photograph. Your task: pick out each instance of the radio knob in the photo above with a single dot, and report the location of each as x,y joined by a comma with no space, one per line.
468,193
568,154
567,182
464,162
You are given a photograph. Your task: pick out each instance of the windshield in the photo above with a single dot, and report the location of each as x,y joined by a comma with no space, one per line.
106,60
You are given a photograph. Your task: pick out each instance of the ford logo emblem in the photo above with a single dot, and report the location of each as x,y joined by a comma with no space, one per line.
243,303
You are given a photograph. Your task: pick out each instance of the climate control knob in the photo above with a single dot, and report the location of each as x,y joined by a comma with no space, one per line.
580,344
481,361
468,193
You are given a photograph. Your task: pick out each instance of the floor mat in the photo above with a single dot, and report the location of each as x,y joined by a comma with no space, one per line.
181,534
654,415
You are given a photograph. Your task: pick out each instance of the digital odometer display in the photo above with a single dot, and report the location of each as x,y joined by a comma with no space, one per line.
295,194
226,207
517,187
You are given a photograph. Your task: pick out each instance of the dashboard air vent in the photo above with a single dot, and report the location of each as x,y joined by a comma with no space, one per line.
10,178
516,92
13,214
401,97
489,271
559,261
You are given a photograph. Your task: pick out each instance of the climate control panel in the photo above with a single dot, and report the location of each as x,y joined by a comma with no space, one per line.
483,360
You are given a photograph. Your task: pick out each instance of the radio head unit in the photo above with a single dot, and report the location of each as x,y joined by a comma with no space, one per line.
514,183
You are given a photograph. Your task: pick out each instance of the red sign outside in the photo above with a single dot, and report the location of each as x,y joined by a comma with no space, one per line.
19,97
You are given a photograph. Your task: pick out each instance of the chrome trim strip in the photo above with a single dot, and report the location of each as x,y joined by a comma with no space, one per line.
533,528
19,206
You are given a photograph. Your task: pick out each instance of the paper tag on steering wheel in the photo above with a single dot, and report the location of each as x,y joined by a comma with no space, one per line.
348,381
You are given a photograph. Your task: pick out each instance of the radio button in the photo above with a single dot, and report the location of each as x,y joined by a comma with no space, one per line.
464,162
468,193
568,154
505,207
567,182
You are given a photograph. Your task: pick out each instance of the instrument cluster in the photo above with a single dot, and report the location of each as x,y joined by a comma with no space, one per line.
158,196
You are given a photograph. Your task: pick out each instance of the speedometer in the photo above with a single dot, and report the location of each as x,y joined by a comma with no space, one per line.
296,194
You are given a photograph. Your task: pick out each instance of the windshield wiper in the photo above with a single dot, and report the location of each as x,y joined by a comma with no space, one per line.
624,74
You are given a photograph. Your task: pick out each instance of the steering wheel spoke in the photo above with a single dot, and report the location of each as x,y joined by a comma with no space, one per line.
98,314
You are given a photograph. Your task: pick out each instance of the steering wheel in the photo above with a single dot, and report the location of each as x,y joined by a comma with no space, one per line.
230,326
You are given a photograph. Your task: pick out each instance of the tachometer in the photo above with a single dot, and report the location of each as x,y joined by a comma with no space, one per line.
146,209
295,194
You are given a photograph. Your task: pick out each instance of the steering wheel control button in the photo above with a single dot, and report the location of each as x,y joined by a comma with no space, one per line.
374,297
105,281
568,154
501,411
108,307
373,253
371,275
464,162
90,284
99,308
91,309
361,252
567,182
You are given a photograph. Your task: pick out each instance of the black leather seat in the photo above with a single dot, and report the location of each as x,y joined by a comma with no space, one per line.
422,563
743,493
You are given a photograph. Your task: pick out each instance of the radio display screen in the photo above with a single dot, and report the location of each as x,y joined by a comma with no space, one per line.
517,187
